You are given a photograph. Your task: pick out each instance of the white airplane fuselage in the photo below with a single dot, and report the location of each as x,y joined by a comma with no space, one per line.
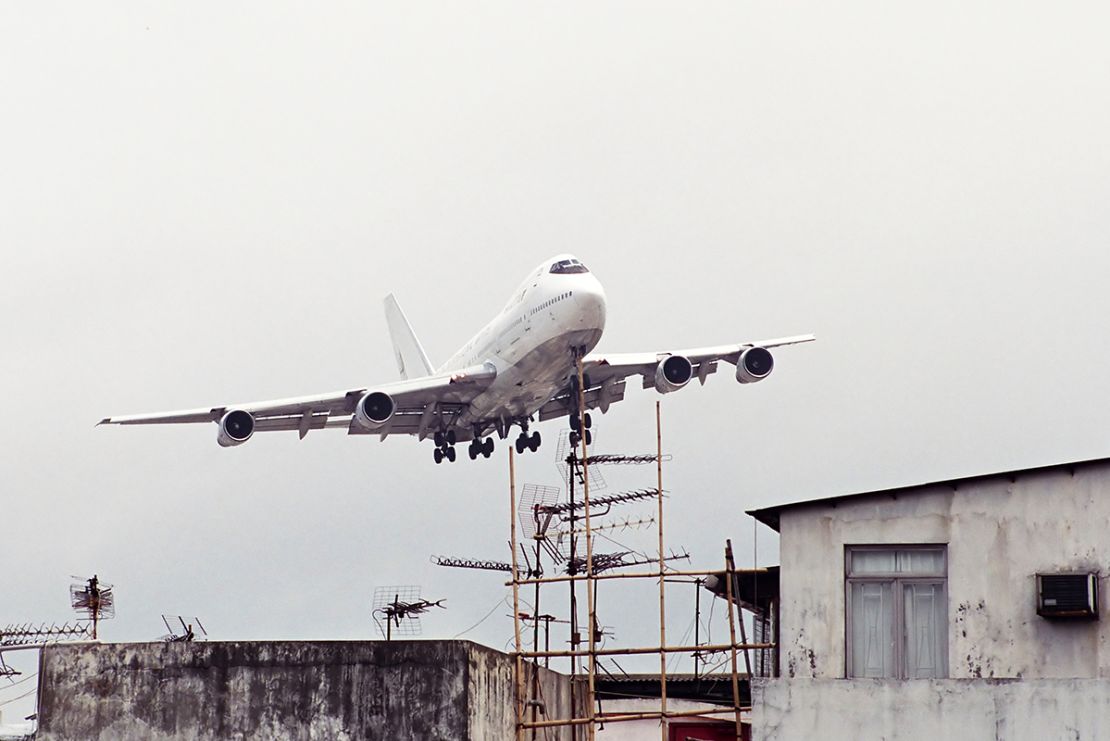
532,343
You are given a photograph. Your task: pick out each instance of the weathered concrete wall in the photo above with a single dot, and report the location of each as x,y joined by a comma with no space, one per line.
282,690
999,532
891,710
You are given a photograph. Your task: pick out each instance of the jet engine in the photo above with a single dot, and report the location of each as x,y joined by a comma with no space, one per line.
375,409
754,365
236,427
673,373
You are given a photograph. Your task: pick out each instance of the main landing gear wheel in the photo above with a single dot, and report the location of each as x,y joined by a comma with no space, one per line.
576,423
480,447
528,442
445,446
576,438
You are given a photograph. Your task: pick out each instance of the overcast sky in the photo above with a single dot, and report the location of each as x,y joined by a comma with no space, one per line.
206,203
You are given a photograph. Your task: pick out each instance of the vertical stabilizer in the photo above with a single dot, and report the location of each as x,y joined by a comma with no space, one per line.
412,361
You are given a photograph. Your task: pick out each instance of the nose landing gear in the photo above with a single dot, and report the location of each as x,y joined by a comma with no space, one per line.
576,429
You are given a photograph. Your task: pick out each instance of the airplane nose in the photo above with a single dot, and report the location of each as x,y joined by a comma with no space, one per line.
590,300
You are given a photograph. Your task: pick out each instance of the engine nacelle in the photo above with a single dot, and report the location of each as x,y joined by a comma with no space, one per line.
375,409
754,365
673,373
236,427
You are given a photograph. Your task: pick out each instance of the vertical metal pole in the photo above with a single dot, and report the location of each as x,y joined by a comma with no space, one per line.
729,572
516,600
94,602
592,620
697,622
662,583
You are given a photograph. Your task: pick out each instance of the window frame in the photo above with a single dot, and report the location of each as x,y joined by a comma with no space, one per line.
897,580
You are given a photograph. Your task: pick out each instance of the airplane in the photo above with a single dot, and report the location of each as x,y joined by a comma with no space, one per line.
520,368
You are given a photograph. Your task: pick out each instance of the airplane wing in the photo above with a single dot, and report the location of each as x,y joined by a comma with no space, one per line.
417,407
606,374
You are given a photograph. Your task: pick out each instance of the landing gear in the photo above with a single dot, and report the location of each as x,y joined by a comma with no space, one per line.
575,423
576,437
480,447
526,441
445,446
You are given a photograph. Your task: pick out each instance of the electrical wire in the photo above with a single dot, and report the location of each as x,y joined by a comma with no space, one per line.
487,615
25,694
677,656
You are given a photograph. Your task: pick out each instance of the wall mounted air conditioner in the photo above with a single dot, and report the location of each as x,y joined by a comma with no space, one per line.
1072,596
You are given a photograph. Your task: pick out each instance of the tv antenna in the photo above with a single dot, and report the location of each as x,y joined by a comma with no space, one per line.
30,634
94,599
400,608
570,465
185,633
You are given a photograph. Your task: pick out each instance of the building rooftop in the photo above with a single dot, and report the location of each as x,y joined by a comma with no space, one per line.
769,516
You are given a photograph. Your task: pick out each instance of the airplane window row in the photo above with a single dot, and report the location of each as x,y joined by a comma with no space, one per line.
569,266
558,298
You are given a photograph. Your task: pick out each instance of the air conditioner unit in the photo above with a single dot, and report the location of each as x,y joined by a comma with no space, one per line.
1067,596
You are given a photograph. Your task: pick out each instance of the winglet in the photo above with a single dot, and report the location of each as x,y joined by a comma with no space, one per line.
412,361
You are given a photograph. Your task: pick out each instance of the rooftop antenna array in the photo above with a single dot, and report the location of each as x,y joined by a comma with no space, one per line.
181,631
93,599
28,634
400,609
575,520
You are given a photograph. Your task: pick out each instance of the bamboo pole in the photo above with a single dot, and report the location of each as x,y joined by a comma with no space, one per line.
647,650
630,575
625,717
591,621
732,636
516,602
662,583
536,646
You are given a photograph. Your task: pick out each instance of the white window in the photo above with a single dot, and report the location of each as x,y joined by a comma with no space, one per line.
897,611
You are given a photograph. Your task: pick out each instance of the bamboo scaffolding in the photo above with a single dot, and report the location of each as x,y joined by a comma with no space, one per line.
662,572
516,603
588,715
635,651
591,620
624,717
732,636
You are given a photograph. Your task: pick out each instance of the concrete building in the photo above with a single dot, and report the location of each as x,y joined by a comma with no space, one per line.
434,690
961,609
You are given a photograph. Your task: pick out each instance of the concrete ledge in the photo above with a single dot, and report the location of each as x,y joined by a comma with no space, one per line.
923,710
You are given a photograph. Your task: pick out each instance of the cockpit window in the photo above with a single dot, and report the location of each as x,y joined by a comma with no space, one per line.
569,266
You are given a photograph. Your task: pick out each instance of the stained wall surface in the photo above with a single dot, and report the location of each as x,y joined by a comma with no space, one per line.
999,531
283,690
892,710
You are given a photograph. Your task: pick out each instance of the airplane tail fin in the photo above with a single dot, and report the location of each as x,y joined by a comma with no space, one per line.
412,361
